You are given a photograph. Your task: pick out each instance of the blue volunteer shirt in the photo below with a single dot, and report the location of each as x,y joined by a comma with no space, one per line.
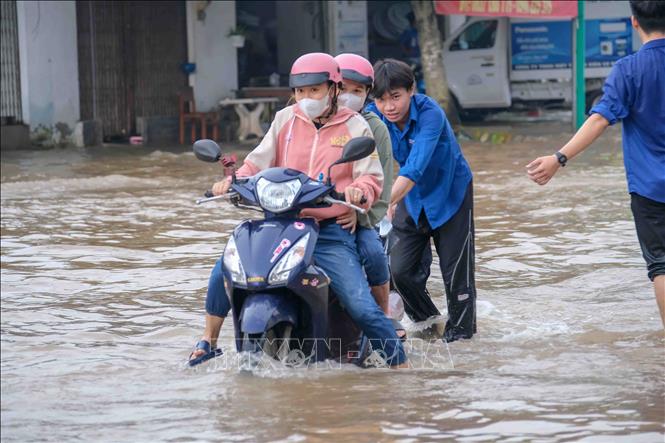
634,93
429,155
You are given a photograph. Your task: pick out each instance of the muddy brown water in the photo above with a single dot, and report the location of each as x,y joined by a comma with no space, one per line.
105,260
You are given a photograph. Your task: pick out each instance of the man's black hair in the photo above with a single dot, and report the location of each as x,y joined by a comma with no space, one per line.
390,74
649,14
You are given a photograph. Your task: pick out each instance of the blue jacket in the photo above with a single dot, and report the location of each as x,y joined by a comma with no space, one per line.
429,155
634,93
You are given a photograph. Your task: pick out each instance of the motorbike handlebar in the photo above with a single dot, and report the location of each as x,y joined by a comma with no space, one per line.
209,197
333,201
334,198
339,196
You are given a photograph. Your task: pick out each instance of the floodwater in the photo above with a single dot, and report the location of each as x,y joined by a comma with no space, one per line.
105,260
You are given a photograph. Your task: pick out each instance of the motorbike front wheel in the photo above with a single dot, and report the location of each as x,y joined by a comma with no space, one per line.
275,343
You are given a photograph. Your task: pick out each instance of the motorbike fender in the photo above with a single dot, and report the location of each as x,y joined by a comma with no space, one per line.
260,312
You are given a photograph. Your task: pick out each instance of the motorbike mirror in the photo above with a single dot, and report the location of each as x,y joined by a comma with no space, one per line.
207,150
355,149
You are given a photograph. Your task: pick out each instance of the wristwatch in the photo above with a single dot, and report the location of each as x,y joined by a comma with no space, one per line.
561,157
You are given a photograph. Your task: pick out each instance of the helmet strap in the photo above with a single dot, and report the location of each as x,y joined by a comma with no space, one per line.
332,109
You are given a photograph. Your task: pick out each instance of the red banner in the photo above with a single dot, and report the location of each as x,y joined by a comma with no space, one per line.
508,8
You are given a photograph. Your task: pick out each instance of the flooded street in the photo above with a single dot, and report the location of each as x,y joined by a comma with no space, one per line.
105,262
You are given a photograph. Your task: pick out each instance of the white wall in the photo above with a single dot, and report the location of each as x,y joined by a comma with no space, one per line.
216,59
49,62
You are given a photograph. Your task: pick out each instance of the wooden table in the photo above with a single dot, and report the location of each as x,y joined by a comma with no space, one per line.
250,120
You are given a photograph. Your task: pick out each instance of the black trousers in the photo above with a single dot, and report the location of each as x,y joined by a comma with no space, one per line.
410,259
649,218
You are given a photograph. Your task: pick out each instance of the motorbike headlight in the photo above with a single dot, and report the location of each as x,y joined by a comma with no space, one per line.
232,262
277,197
280,272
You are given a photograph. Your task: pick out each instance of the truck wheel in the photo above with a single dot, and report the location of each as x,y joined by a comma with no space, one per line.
473,116
592,98
469,115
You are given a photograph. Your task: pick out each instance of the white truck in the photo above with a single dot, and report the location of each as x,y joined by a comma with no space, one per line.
494,63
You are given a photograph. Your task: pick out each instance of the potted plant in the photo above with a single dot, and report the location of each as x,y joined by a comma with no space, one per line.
237,36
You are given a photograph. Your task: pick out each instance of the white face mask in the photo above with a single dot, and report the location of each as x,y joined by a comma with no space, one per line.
351,101
313,108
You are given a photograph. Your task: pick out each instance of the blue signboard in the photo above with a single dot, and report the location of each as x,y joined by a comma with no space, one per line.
548,45
541,45
607,40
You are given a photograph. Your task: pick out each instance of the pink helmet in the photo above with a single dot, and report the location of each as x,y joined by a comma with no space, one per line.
356,68
314,68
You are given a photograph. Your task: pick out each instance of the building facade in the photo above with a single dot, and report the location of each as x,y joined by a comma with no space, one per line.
92,71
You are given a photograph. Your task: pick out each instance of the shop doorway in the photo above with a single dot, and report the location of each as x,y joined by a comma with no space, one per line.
130,53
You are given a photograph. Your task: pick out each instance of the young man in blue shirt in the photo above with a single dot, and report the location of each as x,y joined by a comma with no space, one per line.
634,93
432,198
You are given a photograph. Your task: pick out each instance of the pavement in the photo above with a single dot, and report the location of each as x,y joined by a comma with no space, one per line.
496,129
499,128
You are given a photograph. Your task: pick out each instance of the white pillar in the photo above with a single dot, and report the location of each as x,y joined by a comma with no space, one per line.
23,61
209,47
48,52
191,43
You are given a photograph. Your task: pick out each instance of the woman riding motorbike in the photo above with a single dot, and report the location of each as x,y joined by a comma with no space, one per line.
309,136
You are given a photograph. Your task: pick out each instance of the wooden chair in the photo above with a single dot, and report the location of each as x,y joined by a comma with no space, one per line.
188,113
212,118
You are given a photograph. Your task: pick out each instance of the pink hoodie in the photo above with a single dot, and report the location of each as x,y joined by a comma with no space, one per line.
294,142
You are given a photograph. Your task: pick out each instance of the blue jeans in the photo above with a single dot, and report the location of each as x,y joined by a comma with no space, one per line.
217,302
372,256
337,254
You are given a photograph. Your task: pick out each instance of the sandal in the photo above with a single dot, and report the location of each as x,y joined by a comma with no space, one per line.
208,353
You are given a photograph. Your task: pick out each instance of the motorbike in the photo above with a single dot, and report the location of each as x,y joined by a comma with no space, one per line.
281,301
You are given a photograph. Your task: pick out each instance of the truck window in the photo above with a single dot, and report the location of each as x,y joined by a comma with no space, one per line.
479,35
